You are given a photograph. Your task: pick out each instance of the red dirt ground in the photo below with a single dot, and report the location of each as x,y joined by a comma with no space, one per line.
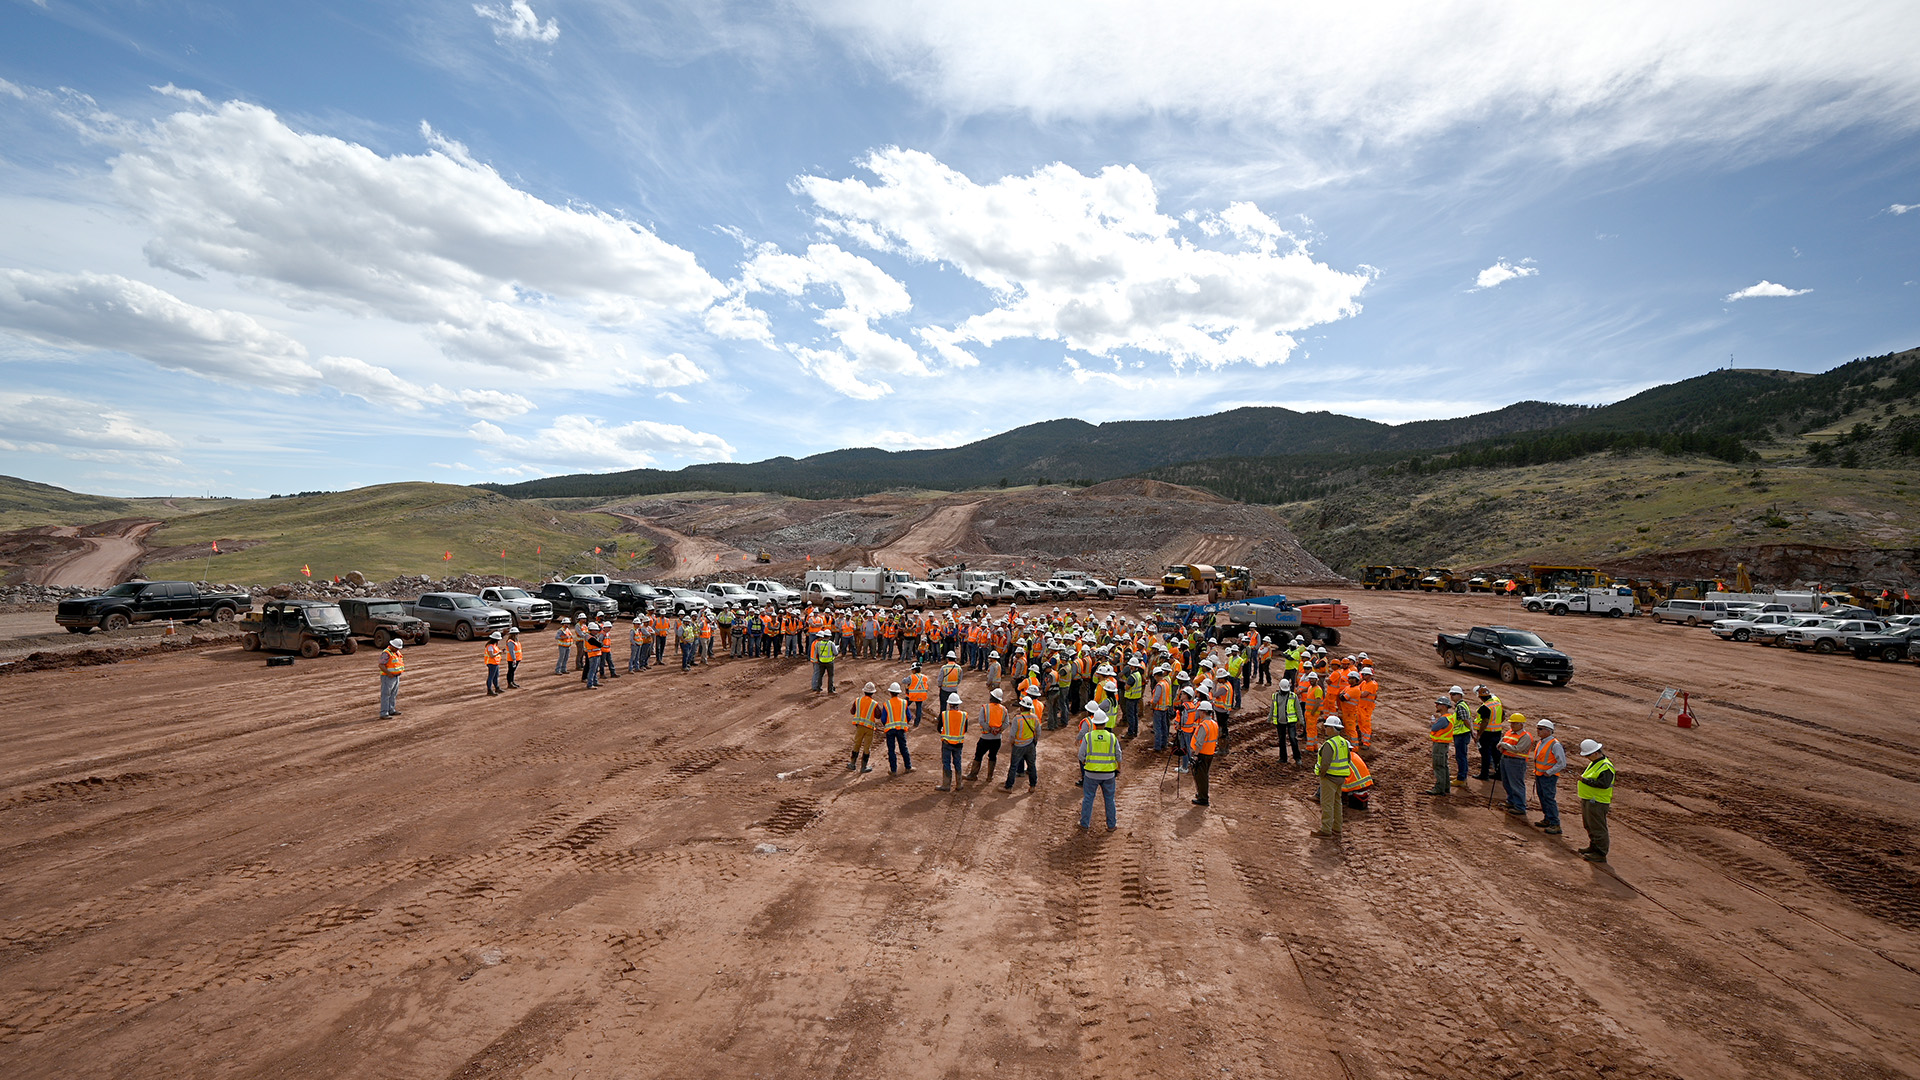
214,868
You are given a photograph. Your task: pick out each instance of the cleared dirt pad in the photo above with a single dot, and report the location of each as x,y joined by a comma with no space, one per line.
216,868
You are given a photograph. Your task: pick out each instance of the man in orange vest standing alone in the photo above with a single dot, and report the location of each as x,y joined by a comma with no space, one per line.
953,733
391,668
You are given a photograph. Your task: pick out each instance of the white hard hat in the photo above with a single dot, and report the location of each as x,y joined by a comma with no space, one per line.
993,654
565,619
1455,690
495,636
953,699
868,689
1589,748
1548,724
1099,718
394,644
951,655
995,695
1094,707
513,630
1026,702
1332,721
1205,706
893,688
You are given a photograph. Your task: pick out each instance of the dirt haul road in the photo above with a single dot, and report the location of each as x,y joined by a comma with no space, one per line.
109,557
688,556
216,868
943,530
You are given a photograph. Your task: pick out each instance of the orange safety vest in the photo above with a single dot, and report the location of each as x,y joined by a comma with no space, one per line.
917,687
1163,694
391,664
996,718
513,650
864,710
1543,755
953,726
950,676
706,629
1444,733
1206,736
896,714
565,637
493,655
1517,744
1362,777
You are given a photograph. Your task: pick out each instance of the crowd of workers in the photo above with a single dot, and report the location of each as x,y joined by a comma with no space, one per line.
1105,676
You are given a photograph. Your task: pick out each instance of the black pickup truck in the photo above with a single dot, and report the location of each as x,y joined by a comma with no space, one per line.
147,601
1511,654
578,601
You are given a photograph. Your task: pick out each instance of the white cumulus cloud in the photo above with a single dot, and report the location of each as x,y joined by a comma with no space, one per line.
1091,262
1901,208
518,22
1502,271
80,431
587,444
436,239
866,293
1764,288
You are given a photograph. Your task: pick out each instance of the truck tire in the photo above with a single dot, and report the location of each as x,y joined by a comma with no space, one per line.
309,648
463,631
349,647
1331,636
250,642
1824,646
116,621
381,638
1451,658
224,613
1459,586
422,638
1509,673
1559,609
1743,634
1616,613
1893,652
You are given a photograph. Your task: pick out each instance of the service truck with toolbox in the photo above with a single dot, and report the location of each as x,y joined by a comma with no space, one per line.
1507,652
149,601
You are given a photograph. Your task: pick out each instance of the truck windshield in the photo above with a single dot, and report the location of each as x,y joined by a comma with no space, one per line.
513,594
132,588
325,615
385,609
1522,639
468,602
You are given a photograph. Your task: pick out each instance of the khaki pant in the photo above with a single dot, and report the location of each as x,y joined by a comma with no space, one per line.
1330,803
862,739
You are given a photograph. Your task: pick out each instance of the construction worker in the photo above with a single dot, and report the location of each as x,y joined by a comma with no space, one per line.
1346,697
823,656
1287,715
639,649
994,669
1026,735
1516,747
1333,765
563,637
1369,698
1099,770
513,658
866,719
492,654
1355,792
590,648
687,632
1162,706
1131,695
953,733
1295,652
1462,730
662,628
391,668
896,730
607,666
950,676
1549,758
918,686
1206,739
1596,798
1490,722
993,724
1440,736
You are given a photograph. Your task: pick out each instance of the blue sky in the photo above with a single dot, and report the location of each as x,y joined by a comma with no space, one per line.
265,248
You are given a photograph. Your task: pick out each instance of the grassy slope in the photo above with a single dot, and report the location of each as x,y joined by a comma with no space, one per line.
24,504
1594,508
393,529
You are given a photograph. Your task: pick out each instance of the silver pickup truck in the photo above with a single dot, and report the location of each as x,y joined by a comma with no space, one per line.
529,611
463,615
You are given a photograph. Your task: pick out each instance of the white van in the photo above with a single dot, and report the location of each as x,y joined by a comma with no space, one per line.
1691,612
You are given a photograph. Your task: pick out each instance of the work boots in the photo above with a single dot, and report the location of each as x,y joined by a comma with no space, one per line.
853,761
946,780
974,773
864,767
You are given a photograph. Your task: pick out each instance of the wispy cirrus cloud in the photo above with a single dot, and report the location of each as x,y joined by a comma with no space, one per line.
517,21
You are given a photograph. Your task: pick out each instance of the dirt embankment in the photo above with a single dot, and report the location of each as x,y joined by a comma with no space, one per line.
95,556
1119,529
237,870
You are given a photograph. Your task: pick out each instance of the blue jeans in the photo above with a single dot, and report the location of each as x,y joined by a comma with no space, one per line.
1103,783
593,673
389,695
1022,760
1513,776
1461,743
1548,788
1161,719
637,658
949,756
561,667
1130,712
493,678
686,655
898,738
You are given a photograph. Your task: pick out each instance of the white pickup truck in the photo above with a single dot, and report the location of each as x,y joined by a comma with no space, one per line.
1611,602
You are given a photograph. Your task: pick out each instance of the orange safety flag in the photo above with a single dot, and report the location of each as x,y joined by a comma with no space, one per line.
448,557
503,553
216,547
536,549
596,551
307,571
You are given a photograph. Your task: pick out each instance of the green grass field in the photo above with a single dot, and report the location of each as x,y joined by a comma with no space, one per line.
1604,507
25,504
393,529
